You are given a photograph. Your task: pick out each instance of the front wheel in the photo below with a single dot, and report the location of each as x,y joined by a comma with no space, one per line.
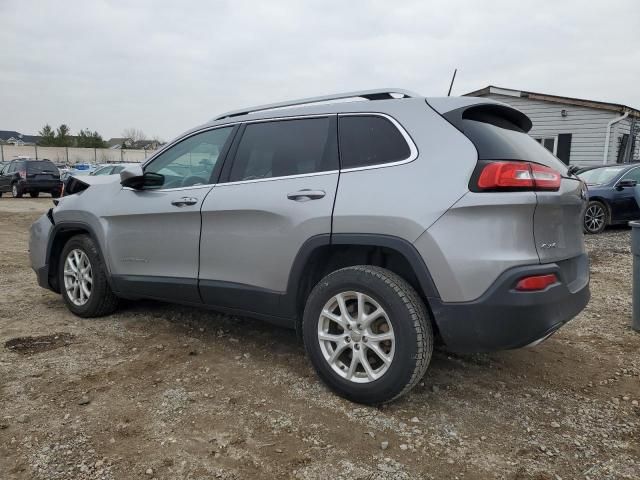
83,279
367,333
595,217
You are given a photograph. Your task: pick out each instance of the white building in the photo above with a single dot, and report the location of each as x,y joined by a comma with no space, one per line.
580,132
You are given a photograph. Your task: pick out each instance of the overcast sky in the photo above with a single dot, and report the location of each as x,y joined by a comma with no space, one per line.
166,66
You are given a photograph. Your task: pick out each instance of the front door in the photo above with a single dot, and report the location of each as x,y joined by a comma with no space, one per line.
625,205
276,194
153,235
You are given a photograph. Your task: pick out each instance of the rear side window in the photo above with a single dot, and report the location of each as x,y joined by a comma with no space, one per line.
370,140
497,137
41,166
286,147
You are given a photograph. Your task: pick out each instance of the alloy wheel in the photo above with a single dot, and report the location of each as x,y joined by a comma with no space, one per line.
594,218
78,279
356,337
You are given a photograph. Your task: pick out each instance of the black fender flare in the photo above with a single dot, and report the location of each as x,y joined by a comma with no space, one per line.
400,245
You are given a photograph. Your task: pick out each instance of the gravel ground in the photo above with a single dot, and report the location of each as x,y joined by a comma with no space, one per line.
163,391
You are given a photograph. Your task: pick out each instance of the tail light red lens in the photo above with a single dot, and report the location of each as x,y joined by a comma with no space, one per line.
499,175
22,173
536,282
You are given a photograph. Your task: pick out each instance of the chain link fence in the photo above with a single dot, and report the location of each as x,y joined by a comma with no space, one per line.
73,155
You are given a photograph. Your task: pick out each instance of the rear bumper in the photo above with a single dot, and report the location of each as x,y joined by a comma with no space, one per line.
504,318
40,185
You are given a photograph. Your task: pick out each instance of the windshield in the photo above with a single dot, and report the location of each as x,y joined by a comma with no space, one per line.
598,176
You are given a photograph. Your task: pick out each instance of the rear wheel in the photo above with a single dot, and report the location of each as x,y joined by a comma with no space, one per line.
34,194
595,217
16,191
367,333
55,193
83,279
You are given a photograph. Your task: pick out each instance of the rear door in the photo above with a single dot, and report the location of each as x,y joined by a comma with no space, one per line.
276,194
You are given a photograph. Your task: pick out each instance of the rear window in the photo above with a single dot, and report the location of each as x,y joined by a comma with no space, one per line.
41,166
499,138
370,140
285,147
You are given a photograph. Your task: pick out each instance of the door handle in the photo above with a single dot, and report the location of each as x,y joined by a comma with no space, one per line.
306,195
184,201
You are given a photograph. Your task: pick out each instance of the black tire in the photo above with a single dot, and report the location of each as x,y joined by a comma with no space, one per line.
596,217
101,300
409,320
55,193
34,194
16,191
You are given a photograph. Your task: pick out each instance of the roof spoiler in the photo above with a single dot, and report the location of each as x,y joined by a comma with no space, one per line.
484,112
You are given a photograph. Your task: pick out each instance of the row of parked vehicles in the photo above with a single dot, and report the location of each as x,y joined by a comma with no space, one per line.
28,176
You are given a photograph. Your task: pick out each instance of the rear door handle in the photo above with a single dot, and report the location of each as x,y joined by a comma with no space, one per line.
305,195
184,201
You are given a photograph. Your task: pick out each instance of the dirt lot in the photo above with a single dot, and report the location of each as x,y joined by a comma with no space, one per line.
163,391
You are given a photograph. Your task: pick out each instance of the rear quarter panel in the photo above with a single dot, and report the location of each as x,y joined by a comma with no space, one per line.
404,200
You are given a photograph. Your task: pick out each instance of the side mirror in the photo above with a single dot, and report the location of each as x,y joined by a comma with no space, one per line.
134,177
627,183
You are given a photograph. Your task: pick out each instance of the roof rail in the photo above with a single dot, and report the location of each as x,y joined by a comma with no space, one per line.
377,94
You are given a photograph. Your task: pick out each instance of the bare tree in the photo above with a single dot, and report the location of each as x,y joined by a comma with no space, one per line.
134,134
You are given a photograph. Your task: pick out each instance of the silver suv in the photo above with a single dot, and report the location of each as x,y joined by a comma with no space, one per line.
371,222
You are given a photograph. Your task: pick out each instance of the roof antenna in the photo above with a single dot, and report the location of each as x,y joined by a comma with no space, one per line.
452,80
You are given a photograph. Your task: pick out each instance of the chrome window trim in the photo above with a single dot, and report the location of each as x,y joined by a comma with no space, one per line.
413,149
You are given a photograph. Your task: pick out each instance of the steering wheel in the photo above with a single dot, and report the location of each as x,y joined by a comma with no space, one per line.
193,180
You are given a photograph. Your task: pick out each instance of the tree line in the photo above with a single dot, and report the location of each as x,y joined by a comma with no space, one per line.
62,137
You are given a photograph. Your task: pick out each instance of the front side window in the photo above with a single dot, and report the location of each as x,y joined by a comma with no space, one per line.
192,161
632,175
285,147
370,140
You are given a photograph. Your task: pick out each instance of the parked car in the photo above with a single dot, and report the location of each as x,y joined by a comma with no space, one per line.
111,168
366,225
30,176
78,169
612,197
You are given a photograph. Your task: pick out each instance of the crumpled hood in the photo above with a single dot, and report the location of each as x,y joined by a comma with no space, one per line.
98,179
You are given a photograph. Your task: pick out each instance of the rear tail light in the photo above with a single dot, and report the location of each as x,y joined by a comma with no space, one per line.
22,173
509,176
536,282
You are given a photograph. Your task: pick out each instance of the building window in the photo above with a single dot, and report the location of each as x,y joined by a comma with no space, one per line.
550,143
